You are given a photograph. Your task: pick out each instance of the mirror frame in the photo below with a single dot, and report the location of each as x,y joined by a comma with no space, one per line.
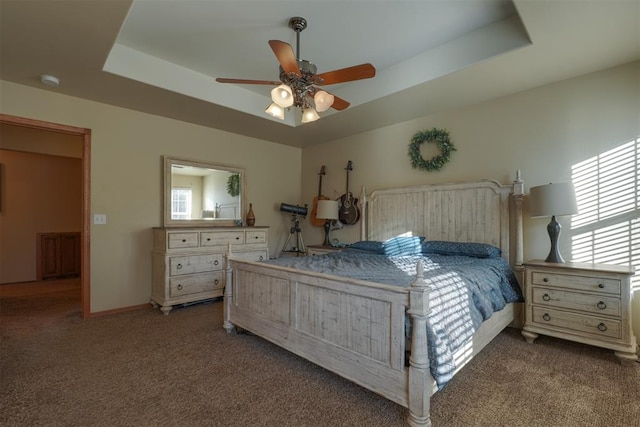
169,162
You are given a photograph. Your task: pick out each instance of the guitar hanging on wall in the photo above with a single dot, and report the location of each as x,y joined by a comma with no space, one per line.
349,212
314,210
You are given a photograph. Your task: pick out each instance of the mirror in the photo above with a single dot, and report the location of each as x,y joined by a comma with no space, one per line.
199,194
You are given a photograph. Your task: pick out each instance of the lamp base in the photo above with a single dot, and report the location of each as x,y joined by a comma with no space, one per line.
327,228
554,232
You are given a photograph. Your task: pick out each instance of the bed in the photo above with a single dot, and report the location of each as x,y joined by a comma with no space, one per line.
358,328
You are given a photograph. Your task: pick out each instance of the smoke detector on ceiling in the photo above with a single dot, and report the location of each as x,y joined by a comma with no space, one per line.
48,80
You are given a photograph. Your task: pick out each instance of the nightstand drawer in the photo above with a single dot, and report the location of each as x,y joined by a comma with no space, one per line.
598,304
579,283
576,322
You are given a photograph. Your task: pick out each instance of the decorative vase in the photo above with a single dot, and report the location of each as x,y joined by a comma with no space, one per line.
251,218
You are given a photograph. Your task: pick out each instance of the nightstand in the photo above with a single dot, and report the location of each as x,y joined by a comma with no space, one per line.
587,303
321,249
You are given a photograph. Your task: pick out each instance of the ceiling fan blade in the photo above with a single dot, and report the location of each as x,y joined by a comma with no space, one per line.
339,103
286,57
357,72
248,82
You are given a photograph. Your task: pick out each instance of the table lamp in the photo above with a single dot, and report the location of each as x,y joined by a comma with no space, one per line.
553,200
327,210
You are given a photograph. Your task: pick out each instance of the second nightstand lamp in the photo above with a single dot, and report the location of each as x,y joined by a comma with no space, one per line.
327,210
553,200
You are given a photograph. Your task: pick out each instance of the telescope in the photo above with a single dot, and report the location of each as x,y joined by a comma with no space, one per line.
294,209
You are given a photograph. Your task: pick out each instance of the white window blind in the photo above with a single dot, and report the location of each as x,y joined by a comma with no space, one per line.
607,228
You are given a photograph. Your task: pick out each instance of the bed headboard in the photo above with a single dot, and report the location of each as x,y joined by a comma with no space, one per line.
480,211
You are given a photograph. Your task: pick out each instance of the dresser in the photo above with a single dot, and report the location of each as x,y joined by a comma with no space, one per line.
588,303
188,263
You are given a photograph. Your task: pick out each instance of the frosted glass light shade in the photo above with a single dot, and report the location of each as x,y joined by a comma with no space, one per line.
553,199
309,115
275,110
282,96
327,209
323,100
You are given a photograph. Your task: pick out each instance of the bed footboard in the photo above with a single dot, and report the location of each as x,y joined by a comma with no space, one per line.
350,327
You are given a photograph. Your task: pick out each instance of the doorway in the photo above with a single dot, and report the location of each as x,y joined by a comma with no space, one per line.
85,134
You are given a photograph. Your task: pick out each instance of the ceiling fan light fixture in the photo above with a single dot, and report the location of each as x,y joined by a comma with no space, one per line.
309,115
323,100
282,95
275,110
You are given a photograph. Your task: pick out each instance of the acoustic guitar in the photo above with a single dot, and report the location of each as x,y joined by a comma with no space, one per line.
315,221
349,212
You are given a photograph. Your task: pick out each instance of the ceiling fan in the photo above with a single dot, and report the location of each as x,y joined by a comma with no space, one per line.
298,80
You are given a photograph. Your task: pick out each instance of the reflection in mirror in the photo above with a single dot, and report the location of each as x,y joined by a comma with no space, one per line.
201,194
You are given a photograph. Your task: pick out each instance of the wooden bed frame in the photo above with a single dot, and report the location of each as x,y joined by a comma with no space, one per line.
357,328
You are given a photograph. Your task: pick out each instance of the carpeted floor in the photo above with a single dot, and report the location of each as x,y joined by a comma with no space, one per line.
142,368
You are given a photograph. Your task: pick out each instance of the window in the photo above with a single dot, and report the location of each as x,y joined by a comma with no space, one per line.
607,228
180,203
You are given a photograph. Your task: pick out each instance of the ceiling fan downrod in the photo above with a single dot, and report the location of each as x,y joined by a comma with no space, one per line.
297,24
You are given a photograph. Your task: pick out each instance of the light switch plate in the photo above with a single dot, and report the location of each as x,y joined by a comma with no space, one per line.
99,219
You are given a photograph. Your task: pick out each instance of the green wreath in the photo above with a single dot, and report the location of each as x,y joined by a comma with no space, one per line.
437,136
233,185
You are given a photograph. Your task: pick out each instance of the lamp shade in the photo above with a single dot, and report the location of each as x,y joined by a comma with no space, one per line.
275,110
553,200
327,209
283,96
323,100
309,115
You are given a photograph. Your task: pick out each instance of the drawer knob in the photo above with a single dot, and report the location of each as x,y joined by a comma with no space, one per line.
237,238
546,297
179,287
545,280
216,281
255,237
208,239
215,262
184,240
601,285
601,305
179,266
261,258
546,317
602,327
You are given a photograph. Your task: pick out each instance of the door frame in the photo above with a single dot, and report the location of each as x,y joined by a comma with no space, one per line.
85,259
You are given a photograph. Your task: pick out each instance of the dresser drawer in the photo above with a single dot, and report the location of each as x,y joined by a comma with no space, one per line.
598,304
589,324
196,284
580,283
257,236
251,255
182,240
222,238
195,264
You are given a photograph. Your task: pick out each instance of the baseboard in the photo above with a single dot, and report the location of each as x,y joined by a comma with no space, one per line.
119,310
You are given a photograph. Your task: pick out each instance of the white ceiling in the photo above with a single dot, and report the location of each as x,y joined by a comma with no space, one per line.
162,56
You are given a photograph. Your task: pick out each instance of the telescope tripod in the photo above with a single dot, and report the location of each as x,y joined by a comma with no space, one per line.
298,248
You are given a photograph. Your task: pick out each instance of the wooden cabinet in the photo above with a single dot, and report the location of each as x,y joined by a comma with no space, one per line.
188,263
321,250
58,255
588,303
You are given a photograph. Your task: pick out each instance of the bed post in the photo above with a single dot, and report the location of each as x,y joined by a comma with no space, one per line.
518,197
228,292
363,214
419,375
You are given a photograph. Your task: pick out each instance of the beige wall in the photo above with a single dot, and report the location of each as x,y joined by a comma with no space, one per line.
40,194
542,132
126,181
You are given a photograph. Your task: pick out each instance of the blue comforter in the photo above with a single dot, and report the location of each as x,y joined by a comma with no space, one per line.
464,291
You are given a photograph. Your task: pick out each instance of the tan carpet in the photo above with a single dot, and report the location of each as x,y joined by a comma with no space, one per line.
145,369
